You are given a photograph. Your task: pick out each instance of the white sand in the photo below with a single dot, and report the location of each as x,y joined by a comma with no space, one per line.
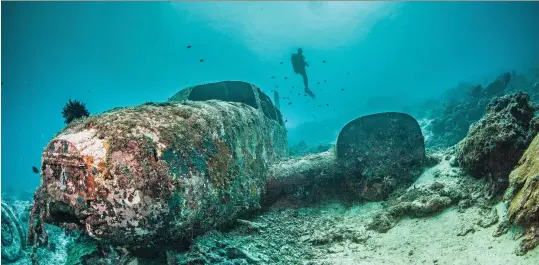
434,241
431,240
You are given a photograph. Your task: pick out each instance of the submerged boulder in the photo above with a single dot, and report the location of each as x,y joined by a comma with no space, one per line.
523,194
495,143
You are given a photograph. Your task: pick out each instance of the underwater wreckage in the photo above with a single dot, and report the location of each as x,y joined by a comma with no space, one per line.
155,175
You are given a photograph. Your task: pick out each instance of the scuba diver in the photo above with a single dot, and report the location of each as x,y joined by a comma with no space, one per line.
299,64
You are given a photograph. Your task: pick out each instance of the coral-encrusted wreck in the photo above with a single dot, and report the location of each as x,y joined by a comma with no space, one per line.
157,173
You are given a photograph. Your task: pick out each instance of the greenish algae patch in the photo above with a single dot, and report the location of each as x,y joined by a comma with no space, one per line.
523,192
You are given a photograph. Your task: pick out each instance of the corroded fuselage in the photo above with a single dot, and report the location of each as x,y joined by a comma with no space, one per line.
157,173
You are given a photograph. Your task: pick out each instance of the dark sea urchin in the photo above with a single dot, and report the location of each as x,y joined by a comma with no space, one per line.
74,109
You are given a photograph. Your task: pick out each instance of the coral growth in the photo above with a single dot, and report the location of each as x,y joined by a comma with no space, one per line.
464,105
74,109
496,142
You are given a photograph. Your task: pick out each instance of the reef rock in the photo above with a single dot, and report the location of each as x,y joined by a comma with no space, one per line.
495,143
523,194
452,122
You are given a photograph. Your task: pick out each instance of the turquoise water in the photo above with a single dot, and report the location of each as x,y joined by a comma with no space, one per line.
385,56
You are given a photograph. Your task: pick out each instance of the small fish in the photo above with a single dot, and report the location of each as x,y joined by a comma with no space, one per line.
188,46
325,81
281,63
299,94
273,77
289,103
292,86
35,170
318,83
201,60
285,77
324,61
348,73
342,89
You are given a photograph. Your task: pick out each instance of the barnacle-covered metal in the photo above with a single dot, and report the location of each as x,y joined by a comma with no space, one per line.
160,173
380,152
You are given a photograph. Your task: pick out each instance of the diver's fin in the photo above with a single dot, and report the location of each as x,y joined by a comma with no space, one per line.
310,93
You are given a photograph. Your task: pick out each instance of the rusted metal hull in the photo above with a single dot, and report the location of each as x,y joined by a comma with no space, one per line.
158,173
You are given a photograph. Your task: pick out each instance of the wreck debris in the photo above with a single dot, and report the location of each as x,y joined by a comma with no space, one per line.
380,152
13,235
301,176
374,155
37,234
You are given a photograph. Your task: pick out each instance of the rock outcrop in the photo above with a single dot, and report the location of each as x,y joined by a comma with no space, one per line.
465,104
495,143
523,194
